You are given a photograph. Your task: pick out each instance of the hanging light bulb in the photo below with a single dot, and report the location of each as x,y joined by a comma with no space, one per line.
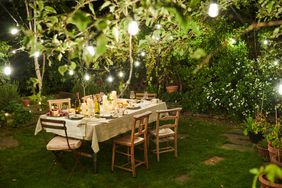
276,62
7,70
110,79
265,42
90,50
71,72
121,74
280,89
213,9
143,54
158,26
133,28
232,41
36,54
14,31
137,63
86,77
14,51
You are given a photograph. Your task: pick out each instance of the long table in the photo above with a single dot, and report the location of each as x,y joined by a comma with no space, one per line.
101,129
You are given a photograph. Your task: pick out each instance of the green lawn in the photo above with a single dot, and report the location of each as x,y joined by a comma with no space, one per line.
28,164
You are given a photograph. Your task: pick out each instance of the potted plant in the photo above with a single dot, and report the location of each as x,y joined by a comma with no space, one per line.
171,87
274,139
262,148
269,176
256,128
26,101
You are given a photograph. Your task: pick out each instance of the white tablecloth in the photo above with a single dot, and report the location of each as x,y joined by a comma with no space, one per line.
101,129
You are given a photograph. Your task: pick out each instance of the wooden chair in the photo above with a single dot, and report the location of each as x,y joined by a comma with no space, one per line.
60,103
166,131
141,95
139,130
61,143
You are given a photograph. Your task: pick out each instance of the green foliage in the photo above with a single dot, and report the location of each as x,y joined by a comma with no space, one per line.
18,114
175,97
272,172
8,93
257,125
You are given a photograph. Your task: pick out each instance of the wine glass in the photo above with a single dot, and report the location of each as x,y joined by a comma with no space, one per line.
132,95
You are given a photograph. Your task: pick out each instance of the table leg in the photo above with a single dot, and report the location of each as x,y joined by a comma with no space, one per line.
94,156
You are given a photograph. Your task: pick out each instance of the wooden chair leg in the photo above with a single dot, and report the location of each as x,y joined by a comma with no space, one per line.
132,161
146,153
113,156
158,149
175,146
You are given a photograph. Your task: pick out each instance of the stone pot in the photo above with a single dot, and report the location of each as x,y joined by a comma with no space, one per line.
171,89
267,184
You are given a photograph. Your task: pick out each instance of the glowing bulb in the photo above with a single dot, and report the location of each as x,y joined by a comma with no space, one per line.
14,51
137,63
265,42
213,10
133,28
143,54
36,54
232,41
158,26
6,114
14,31
276,62
39,102
7,70
121,74
280,89
110,79
71,72
86,77
91,50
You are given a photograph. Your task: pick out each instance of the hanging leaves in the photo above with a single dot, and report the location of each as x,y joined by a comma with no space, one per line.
80,20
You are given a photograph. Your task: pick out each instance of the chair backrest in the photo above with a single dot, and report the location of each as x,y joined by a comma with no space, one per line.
59,103
55,124
140,125
141,95
165,116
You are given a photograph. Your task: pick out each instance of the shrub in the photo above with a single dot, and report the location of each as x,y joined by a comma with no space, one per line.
8,92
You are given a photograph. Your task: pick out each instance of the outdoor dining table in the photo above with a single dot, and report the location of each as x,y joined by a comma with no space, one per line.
101,129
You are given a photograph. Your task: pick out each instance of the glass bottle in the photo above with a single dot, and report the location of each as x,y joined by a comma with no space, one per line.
96,105
77,103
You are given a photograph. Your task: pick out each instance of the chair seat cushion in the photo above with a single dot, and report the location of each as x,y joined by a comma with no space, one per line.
60,143
162,132
125,140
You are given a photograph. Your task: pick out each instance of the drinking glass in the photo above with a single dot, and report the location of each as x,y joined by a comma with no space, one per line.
132,95
146,95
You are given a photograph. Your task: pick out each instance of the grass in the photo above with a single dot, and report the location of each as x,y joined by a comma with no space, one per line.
28,164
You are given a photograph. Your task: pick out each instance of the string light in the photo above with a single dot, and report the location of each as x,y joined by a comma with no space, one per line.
280,89
265,42
86,77
36,54
232,41
14,51
90,50
137,63
213,9
121,74
71,72
7,70
276,62
143,54
133,28
110,79
14,31
6,114
158,26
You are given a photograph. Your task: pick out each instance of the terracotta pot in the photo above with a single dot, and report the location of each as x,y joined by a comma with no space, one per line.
275,161
171,89
263,151
26,101
274,153
267,184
